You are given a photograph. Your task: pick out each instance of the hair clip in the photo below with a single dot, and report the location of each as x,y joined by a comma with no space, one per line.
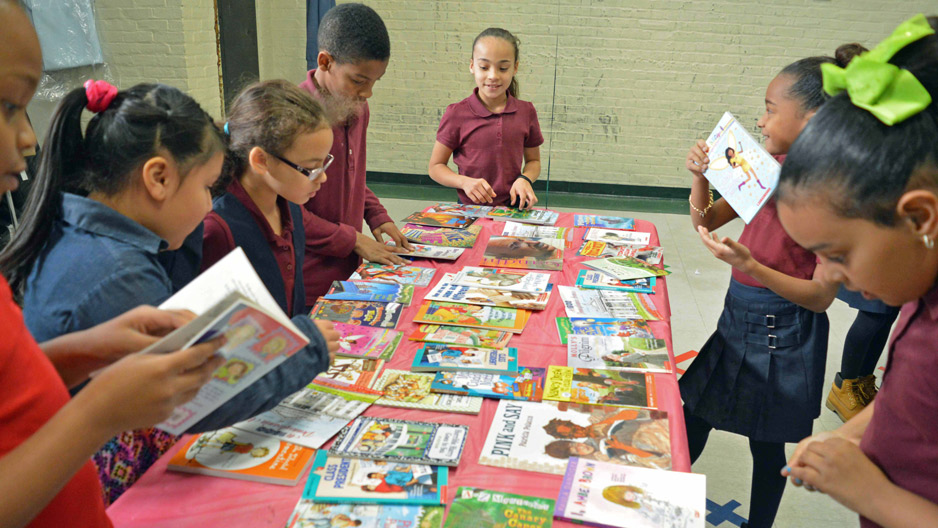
100,94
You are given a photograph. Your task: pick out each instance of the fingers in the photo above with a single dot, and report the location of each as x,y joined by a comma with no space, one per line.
697,159
196,357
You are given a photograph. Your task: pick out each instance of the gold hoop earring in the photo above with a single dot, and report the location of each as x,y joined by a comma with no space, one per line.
929,243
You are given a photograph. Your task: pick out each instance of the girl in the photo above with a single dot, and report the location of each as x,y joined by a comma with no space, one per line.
860,189
146,161
491,131
761,373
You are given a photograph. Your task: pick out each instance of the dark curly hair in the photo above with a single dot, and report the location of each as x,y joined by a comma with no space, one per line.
354,33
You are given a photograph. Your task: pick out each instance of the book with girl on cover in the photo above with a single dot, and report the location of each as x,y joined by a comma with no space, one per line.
338,479
356,290
477,507
609,222
488,317
502,279
527,384
434,357
402,441
602,326
366,341
600,387
440,220
411,390
618,237
396,273
458,335
441,236
364,313
447,291
597,280
524,253
618,353
311,514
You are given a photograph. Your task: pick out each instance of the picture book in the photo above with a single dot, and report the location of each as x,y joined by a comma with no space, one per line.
442,236
529,216
396,273
457,335
311,514
605,494
503,279
311,416
580,303
602,326
597,280
434,357
401,441
447,291
411,390
457,209
431,252
618,353
362,313
232,453
608,222
543,436
618,237
366,341
488,317
536,231
527,384
525,253
357,290
356,374
600,387
477,507
440,220
740,169
338,479
625,268
650,254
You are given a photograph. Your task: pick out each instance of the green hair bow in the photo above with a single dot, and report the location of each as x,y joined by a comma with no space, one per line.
890,93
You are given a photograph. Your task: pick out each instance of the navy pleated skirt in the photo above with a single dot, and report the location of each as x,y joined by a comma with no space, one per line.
762,372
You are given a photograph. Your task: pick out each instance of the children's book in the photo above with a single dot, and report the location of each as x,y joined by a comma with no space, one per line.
447,291
535,231
600,387
602,326
580,303
401,441
604,494
457,209
366,341
477,507
356,374
357,290
597,280
457,335
338,479
529,216
396,273
434,357
618,237
744,173
310,514
543,436
527,384
232,453
525,253
503,279
411,390
487,317
618,353
650,254
440,220
431,252
625,268
362,313
442,236
608,222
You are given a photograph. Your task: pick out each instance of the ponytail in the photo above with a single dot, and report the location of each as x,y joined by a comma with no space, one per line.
506,35
807,85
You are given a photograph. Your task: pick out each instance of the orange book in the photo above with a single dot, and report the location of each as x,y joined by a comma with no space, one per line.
486,317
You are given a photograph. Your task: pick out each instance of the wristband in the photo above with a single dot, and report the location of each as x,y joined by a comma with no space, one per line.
525,178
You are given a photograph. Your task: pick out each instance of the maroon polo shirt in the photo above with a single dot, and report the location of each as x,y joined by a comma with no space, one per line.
339,207
902,437
217,241
487,145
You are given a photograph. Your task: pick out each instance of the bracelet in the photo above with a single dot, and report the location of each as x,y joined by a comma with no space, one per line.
525,178
702,213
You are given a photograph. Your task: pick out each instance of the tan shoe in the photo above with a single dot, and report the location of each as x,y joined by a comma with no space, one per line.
868,390
847,400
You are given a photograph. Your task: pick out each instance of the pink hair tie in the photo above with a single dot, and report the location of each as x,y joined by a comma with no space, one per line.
100,94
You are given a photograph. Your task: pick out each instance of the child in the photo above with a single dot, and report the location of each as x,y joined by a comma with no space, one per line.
354,49
860,189
147,161
46,478
490,132
761,373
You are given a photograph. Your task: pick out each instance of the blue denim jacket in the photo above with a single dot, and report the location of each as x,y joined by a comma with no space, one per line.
98,264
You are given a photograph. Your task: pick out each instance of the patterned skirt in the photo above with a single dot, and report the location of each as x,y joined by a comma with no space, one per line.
127,456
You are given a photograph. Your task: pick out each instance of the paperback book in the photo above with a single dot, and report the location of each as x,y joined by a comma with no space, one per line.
431,252
440,220
401,441
447,291
361,313
395,273
608,222
600,387
354,374
311,514
434,357
457,335
527,384
442,236
580,303
597,280
536,231
487,317
366,341
503,279
618,353
357,290
411,390
651,254
618,237
528,216
338,479
525,253
601,326
453,208
477,507
625,268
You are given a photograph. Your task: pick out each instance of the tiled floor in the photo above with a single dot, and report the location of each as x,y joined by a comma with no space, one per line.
697,286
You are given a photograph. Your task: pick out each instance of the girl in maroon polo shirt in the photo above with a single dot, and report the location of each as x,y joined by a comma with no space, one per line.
490,133
860,189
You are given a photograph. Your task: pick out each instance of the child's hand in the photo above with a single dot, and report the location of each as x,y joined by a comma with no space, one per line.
726,249
524,193
478,190
697,159
795,460
329,333
388,228
839,468
374,251
131,331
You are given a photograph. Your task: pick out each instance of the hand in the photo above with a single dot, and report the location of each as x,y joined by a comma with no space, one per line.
697,159
795,460
391,230
727,249
478,190
329,333
130,332
374,251
524,193
839,468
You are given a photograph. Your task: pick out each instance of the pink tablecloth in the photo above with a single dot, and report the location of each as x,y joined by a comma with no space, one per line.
166,498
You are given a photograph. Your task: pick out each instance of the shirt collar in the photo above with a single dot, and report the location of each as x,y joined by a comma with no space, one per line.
97,218
479,109
286,219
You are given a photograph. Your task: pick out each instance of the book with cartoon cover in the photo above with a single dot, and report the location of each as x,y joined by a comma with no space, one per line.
625,268
405,441
355,374
524,253
477,507
411,390
617,237
618,353
396,273
527,216
434,357
502,279
357,290
580,303
311,514
458,209
527,384
600,387
488,317
458,335
363,313
608,222
339,479
440,220
447,291
602,326
542,436
597,280
366,342
442,236
651,254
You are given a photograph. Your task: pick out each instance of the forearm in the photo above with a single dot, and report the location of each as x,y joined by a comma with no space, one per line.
532,169
73,357
442,174
893,507
716,215
811,294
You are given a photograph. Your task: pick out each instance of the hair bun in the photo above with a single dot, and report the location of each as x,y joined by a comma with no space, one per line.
846,52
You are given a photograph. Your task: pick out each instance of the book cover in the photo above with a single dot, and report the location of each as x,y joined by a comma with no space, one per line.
487,317
527,384
311,514
447,291
602,326
232,453
625,268
618,237
543,436
601,493
529,216
363,313
357,290
740,169
434,357
618,353
478,508
608,222
503,279
355,374
458,209
440,220
597,280
600,387
366,342
458,335
401,441
525,253
411,390
442,236
396,273
338,479
580,303
431,252
650,254
536,231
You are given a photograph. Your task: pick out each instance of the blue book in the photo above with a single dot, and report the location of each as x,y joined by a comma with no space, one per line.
597,280
339,479
527,384
609,222
434,357
356,290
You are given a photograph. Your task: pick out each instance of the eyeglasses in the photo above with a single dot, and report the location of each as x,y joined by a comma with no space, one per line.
312,174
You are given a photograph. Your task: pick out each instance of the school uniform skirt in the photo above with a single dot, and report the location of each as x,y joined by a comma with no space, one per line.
762,372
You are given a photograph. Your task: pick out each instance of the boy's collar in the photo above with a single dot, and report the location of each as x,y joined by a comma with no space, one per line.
478,107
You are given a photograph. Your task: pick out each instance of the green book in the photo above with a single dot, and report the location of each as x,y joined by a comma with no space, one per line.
481,508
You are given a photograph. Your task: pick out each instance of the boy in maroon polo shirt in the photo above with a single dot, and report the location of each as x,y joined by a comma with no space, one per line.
353,54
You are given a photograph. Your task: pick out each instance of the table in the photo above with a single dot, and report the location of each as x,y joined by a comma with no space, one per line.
168,498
